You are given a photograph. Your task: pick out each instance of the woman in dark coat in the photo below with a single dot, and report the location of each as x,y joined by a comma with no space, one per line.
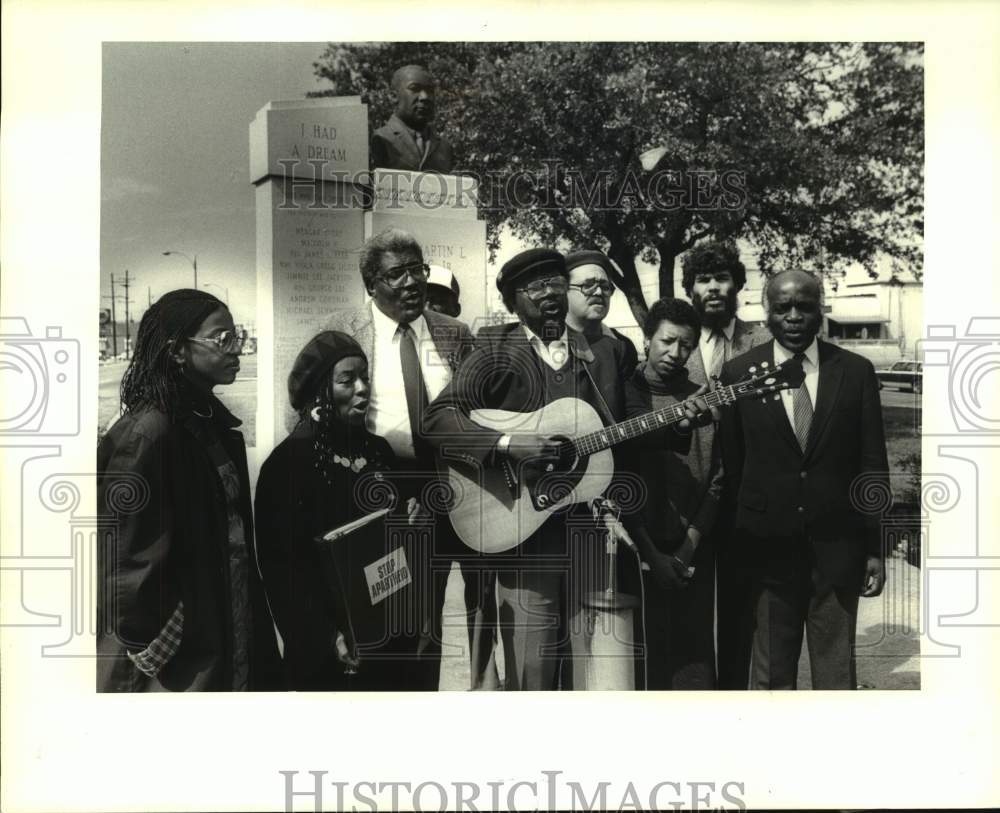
182,606
307,486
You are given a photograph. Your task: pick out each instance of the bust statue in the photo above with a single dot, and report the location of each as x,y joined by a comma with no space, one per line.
407,140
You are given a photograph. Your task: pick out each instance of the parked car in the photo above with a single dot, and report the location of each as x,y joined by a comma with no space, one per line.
904,375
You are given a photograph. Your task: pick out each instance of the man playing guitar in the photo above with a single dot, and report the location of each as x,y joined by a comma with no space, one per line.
520,367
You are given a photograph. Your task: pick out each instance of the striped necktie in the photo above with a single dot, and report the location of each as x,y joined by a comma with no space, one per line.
718,353
413,385
802,408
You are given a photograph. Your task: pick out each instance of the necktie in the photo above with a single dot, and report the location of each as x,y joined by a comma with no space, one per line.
718,353
413,384
802,409
420,144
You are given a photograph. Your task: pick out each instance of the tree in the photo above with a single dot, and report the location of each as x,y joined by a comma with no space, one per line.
812,152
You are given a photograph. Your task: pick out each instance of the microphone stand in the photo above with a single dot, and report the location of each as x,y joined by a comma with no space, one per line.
608,634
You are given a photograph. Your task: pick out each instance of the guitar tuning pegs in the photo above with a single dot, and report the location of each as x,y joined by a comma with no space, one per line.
777,396
764,364
752,370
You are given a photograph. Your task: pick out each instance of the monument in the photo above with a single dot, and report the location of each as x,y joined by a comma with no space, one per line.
316,203
310,227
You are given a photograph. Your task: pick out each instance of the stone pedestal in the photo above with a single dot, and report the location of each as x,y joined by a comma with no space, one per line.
306,158
316,204
440,211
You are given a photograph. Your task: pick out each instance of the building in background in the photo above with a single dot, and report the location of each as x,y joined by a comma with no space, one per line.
881,319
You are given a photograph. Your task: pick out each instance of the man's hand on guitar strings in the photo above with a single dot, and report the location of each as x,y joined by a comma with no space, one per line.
537,449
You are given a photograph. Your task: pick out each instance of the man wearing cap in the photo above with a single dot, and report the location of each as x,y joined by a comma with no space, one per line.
712,277
588,299
408,141
521,367
443,292
413,354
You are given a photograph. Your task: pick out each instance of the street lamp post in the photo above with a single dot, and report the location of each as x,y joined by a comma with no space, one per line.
194,263
222,287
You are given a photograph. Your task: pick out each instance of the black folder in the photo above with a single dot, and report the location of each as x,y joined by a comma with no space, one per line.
378,568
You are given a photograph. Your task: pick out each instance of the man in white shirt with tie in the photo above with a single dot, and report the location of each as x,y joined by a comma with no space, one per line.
712,277
412,355
794,462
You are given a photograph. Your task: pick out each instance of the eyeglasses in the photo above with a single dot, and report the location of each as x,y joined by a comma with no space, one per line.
591,286
228,341
396,277
537,287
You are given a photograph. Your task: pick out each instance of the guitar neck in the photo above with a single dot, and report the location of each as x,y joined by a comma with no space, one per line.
602,439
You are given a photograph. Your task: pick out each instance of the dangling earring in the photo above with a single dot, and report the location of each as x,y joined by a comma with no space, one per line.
316,413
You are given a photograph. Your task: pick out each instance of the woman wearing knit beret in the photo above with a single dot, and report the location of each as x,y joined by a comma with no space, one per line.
306,488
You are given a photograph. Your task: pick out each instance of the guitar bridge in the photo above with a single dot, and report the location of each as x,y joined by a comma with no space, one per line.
510,478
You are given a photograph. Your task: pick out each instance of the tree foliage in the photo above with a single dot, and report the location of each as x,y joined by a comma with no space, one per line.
826,138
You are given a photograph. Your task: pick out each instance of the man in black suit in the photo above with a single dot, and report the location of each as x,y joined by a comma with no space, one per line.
408,141
713,276
792,459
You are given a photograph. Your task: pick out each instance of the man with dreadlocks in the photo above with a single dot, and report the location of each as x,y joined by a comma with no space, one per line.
181,605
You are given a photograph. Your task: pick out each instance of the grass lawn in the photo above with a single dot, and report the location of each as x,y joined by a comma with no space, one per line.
902,437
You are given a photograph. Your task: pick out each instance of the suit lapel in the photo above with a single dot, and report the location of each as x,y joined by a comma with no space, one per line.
364,330
404,140
429,147
741,338
831,375
696,366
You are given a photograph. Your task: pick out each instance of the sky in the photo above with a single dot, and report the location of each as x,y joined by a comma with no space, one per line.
175,162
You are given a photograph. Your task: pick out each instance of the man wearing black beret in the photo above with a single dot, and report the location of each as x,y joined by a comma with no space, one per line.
521,367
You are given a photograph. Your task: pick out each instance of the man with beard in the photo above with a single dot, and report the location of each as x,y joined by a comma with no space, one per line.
713,276
793,461
412,355
407,141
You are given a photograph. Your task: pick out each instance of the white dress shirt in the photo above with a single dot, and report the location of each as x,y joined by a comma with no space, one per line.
811,367
707,344
387,412
555,353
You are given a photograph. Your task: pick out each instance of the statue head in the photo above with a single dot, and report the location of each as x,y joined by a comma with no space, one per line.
414,89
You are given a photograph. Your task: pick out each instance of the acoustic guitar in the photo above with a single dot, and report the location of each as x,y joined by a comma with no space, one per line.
495,508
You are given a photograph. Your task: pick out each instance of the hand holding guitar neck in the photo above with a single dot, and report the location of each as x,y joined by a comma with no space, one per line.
697,410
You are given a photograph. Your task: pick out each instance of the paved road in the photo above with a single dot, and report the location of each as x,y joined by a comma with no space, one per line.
240,396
